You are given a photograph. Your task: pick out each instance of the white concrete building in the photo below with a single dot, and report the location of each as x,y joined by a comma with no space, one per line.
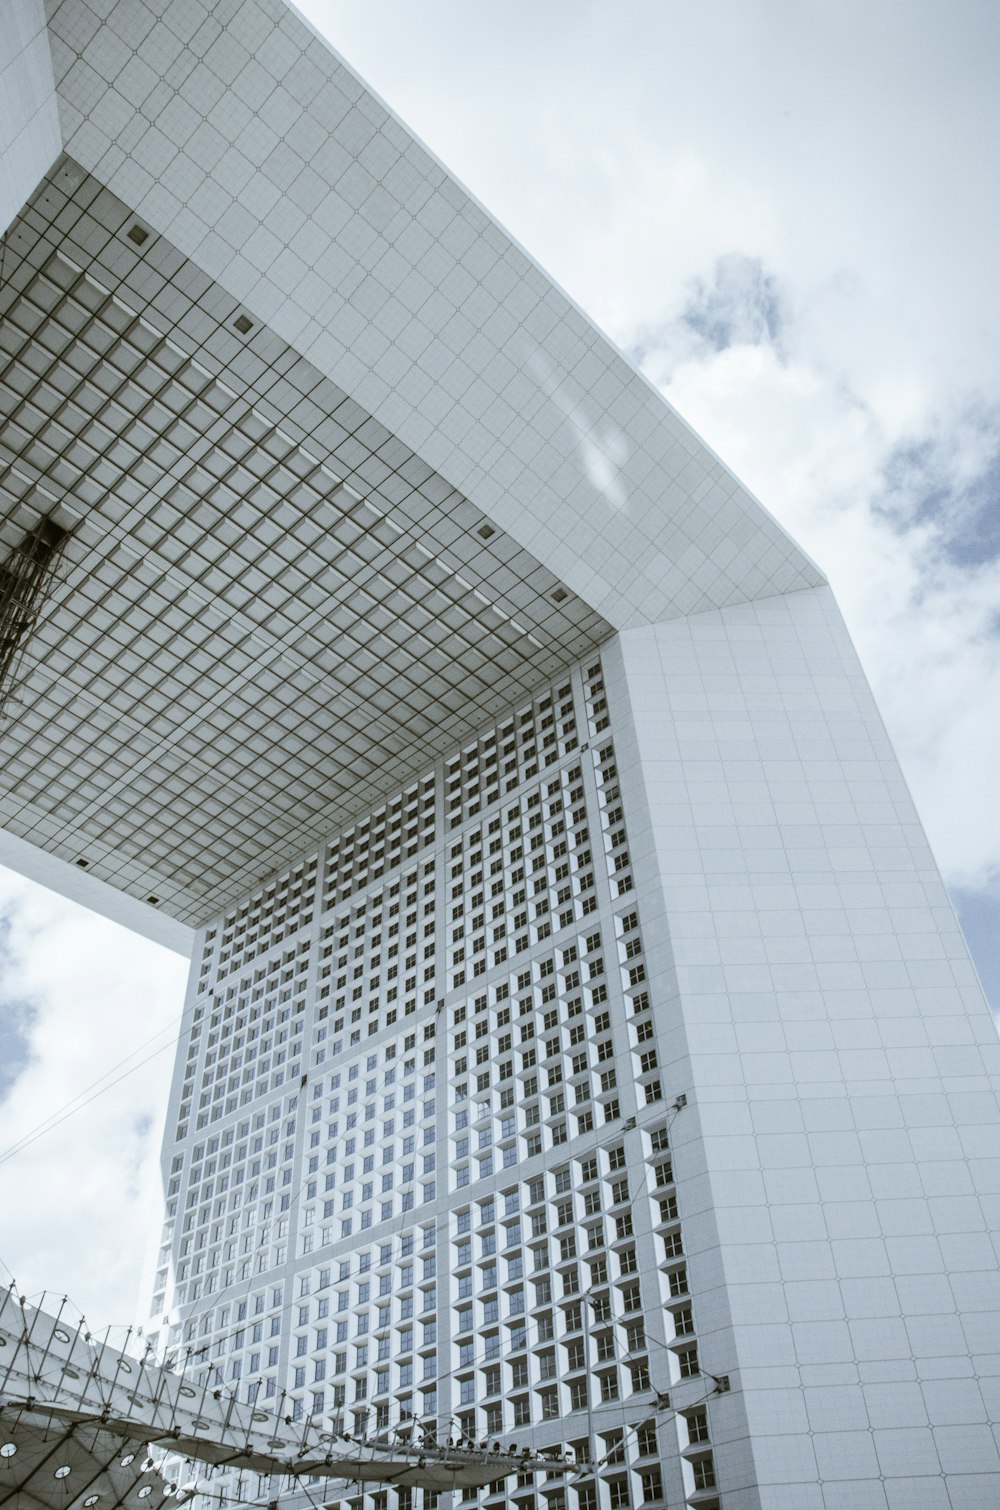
580,1045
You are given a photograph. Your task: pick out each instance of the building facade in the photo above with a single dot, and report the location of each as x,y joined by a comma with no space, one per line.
593,1089
421,1155
580,1048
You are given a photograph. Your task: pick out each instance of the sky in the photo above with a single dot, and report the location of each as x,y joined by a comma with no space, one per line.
786,213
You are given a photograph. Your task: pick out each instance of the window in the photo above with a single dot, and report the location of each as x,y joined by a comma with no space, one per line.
677,1280
683,1321
687,1360
652,1485
645,1438
704,1472
601,1306
697,1425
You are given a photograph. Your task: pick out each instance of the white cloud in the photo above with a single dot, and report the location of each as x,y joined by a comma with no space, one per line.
926,626
81,1202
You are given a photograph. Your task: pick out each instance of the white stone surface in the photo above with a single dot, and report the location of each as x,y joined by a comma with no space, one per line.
828,1026
29,120
235,130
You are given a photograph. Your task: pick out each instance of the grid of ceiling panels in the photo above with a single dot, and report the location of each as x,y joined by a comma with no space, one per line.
270,611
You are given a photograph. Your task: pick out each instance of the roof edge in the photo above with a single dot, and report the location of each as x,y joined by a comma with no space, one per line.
563,292
99,896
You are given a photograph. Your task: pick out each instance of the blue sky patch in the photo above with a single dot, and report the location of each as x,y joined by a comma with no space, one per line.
741,306
16,1020
922,488
979,915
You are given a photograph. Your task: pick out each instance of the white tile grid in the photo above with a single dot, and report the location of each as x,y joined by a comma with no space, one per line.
177,536
37,865
555,780
844,1063
429,257
29,122
697,1181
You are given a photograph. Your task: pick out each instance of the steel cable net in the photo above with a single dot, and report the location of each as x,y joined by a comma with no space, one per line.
78,1418
25,576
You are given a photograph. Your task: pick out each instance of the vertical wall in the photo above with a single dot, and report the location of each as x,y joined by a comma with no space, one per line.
30,139
419,1148
842,1063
